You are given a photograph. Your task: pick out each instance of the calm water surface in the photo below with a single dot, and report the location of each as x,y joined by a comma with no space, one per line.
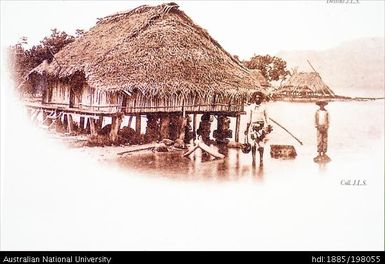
356,141
57,199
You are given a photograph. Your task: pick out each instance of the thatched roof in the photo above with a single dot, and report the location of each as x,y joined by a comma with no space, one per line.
306,82
156,50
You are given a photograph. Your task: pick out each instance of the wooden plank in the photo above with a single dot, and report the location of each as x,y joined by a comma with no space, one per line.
191,150
211,151
197,109
203,146
53,107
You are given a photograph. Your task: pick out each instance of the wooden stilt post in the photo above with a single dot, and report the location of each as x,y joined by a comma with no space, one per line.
92,122
138,123
152,128
175,126
222,133
88,126
237,126
194,126
182,131
81,123
44,117
99,123
130,121
49,118
35,116
70,124
115,126
58,122
164,126
113,133
65,121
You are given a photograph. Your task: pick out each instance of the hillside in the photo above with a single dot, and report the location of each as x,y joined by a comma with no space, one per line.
354,68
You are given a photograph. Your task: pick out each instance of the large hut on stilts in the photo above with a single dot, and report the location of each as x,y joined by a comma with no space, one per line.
151,61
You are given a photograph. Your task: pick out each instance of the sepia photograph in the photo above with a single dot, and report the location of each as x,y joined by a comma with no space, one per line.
192,125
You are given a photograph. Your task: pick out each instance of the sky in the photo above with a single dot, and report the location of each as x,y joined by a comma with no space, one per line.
243,28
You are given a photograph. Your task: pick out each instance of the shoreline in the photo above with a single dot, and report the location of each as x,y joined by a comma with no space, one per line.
334,99
78,143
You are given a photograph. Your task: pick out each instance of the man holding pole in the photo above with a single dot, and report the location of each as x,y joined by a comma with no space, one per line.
258,127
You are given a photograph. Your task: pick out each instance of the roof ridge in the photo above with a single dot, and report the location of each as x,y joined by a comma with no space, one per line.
163,8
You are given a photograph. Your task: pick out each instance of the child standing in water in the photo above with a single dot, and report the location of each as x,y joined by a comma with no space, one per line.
322,125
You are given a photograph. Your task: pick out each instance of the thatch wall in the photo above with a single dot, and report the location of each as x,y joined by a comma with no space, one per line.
139,103
76,93
100,101
58,93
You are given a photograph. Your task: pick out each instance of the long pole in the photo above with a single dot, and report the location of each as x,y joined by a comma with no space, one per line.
311,66
286,130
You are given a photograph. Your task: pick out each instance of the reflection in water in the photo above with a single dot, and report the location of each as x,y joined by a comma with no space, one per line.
354,149
322,167
198,165
257,171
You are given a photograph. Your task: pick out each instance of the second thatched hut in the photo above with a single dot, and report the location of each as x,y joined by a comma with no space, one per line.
304,86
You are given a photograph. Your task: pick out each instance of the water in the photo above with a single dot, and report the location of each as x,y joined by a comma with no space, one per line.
55,198
356,140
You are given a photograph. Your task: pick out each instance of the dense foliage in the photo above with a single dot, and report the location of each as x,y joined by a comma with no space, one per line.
271,67
23,60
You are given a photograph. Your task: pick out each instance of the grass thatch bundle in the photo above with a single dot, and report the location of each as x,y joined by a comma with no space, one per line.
155,50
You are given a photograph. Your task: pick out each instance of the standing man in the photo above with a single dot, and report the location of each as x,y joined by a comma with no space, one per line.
322,125
258,127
